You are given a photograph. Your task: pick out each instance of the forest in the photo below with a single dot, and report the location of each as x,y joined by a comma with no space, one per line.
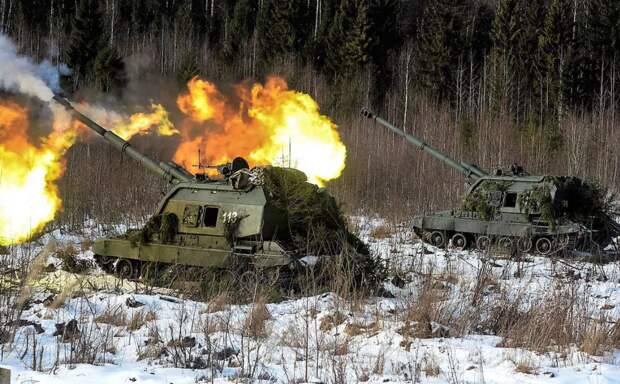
492,82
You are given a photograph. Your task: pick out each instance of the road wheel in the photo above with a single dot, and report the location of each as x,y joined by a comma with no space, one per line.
438,239
525,244
459,241
270,276
483,243
563,241
150,272
248,283
125,269
106,263
543,246
505,243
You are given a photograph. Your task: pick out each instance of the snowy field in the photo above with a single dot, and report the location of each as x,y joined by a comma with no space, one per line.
436,321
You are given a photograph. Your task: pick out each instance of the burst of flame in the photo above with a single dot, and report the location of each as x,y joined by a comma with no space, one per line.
28,195
141,123
265,125
126,127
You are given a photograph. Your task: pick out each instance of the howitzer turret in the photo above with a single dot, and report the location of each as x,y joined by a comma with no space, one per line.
516,211
172,172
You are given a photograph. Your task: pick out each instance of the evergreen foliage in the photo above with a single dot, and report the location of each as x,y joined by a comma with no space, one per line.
241,27
282,28
313,220
441,44
85,41
349,40
188,71
485,199
537,201
109,70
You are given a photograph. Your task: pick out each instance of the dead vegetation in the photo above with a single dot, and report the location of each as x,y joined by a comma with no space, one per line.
255,324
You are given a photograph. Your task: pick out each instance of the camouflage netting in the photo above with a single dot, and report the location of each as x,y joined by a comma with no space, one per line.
538,200
165,226
313,220
587,202
315,225
585,199
486,199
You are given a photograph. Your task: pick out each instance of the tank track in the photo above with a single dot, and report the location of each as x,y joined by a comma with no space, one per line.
281,276
548,246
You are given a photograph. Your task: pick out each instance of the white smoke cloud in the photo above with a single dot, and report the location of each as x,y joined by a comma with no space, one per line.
21,74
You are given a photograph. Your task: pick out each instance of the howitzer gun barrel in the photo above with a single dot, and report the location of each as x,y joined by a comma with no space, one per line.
468,170
171,172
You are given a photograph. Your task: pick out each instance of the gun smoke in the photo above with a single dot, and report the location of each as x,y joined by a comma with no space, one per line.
20,74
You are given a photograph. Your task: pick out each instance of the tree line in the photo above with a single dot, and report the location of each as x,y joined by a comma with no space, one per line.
539,67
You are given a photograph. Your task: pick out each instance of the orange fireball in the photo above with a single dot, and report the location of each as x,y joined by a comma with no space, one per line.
28,196
268,124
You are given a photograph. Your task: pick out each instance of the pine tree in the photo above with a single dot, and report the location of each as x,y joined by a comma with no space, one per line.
555,44
282,27
581,74
349,40
109,70
441,45
384,34
86,41
241,26
316,49
604,38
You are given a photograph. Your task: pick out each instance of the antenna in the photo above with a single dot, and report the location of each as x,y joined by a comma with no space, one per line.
199,165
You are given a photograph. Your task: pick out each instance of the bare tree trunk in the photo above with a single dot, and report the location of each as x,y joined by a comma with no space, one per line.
316,17
51,31
2,6
112,20
406,107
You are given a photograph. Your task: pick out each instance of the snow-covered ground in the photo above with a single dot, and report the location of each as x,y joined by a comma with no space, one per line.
134,334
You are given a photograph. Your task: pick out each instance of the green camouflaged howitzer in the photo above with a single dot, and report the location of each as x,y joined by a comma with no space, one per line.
235,222
515,211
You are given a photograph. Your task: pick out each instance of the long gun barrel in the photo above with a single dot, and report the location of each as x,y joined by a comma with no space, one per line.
469,170
170,171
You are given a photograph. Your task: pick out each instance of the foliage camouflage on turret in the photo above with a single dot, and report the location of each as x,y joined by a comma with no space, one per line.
316,225
480,201
538,201
314,220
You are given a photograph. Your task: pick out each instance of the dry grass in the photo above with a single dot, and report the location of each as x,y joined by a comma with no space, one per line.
293,337
66,293
382,231
358,328
332,320
255,324
423,309
219,303
430,366
341,349
68,255
596,339
525,366
136,321
116,317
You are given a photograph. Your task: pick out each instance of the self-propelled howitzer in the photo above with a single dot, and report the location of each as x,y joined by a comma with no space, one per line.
515,211
234,222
